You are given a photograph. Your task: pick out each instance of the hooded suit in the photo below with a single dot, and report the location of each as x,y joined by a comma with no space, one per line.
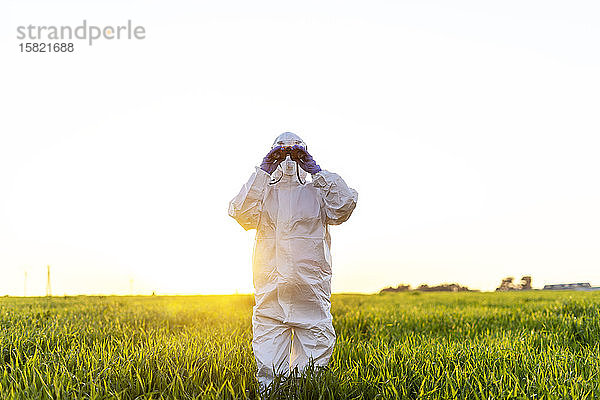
291,320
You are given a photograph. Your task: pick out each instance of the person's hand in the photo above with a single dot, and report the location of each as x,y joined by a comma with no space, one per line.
272,160
304,159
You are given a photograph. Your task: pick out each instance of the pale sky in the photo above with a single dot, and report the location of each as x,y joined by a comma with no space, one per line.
470,130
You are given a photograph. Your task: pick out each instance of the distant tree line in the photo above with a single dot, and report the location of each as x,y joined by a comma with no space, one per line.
445,287
508,285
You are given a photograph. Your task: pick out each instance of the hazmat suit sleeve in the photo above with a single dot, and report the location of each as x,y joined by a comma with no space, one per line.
245,208
338,199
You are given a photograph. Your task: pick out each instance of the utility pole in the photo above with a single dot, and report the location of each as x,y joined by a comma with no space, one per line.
48,286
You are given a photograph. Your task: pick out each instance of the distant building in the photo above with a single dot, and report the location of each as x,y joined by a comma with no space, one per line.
572,286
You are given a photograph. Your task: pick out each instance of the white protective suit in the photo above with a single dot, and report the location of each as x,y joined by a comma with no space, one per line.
292,321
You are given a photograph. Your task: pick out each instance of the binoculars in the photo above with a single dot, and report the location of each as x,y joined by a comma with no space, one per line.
295,153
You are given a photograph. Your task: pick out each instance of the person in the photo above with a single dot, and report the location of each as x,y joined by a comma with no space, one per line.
291,321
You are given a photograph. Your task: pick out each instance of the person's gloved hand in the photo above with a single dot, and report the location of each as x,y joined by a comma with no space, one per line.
272,160
304,159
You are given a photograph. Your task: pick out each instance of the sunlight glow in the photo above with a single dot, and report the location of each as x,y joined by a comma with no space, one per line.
470,135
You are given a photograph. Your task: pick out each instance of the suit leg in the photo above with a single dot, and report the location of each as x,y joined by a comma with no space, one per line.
271,345
313,343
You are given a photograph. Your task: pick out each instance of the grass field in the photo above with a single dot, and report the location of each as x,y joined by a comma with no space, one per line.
531,345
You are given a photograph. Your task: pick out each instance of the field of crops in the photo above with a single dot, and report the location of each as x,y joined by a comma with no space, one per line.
409,345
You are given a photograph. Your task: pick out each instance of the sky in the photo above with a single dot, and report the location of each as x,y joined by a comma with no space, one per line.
470,130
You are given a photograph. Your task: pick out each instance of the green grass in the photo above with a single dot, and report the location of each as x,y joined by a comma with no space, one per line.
533,345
